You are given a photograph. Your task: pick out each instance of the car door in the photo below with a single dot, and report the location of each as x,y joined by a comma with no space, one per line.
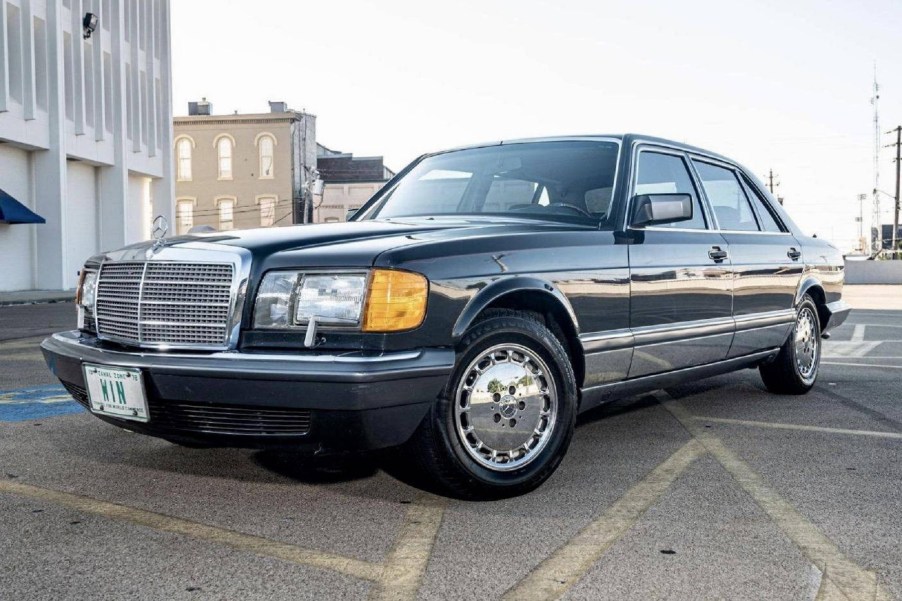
766,258
680,275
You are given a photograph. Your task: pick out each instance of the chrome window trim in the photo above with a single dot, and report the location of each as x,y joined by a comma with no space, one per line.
758,233
736,173
640,146
746,182
190,252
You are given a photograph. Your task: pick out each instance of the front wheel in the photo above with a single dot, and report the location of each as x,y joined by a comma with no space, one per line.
506,417
795,368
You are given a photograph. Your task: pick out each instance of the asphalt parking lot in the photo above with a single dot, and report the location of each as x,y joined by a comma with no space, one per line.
712,490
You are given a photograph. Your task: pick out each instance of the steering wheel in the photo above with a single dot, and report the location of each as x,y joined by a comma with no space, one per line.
564,205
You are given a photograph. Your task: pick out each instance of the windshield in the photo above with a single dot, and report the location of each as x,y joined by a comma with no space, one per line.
569,180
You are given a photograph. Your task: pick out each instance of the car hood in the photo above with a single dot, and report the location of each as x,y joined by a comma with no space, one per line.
356,243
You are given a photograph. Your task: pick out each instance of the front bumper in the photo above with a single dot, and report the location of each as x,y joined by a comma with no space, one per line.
325,402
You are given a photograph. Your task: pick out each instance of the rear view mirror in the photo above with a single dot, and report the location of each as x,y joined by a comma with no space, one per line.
659,209
350,214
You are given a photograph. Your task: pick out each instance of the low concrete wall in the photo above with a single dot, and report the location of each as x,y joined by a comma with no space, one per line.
873,272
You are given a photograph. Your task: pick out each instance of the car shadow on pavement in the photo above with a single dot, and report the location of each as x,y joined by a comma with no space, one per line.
316,470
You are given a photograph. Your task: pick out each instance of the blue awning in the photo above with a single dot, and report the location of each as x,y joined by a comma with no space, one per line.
13,211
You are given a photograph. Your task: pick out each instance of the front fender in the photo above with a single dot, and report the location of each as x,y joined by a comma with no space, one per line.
502,287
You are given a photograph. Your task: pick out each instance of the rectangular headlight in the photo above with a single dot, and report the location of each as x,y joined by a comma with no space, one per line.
331,299
380,301
289,299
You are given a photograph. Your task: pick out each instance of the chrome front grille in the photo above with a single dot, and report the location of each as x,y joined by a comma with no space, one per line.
165,303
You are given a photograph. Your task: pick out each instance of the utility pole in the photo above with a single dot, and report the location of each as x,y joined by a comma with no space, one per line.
876,220
771,185
862,241
898,146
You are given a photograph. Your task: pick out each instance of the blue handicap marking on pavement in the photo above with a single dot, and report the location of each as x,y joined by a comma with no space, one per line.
35,403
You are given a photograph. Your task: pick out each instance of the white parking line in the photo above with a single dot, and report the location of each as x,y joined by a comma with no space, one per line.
805,428
858,333
841,348
861,364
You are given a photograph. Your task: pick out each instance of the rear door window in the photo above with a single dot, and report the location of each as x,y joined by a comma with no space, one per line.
727,198
766,216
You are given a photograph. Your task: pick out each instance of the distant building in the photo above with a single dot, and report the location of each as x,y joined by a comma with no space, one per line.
85,133
243,171
349,182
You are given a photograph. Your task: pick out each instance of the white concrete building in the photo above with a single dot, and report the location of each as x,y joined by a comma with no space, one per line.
85,132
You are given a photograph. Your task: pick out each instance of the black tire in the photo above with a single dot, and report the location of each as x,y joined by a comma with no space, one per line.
784,375
437,447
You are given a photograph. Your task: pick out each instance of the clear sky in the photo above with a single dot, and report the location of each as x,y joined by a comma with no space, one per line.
774,84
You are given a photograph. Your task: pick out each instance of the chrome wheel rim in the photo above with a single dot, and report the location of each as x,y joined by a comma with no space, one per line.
807,344
505,407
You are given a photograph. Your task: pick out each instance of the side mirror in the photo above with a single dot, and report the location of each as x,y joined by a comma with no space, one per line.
659,209
350,214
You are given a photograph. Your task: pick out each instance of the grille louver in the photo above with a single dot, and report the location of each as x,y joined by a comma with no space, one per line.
165,303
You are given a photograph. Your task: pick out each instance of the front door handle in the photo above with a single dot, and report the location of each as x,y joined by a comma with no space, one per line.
794,253
717,254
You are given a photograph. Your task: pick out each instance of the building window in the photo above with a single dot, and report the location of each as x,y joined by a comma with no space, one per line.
266,157
183,150
224,148
267,211
227,214
184,216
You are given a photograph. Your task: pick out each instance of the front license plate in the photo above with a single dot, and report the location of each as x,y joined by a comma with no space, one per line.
116,391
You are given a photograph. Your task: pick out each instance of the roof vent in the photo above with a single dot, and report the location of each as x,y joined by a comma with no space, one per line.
200,108
278,107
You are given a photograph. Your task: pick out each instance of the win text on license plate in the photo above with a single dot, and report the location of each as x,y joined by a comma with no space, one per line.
116,391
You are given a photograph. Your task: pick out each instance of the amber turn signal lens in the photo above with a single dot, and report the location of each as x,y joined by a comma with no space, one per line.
396,301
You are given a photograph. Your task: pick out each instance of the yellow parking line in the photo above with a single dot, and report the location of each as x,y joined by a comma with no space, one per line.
406,562
21,357
364,570
19,343
854,582
560,571
779,426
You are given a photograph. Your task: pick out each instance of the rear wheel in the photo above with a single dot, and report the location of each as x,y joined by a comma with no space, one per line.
506,417
795,368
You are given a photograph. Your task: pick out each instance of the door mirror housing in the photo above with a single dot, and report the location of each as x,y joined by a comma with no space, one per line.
660,209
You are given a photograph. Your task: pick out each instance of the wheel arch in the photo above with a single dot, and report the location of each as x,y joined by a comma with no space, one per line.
529,294
815,289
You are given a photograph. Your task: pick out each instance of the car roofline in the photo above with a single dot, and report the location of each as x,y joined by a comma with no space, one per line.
626,138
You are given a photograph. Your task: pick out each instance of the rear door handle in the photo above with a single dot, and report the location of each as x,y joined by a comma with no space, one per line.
717,254
794,254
